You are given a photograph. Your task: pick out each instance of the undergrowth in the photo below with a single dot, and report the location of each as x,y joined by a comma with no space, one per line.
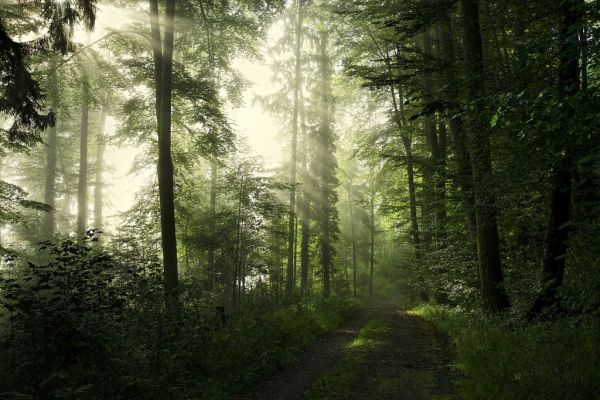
86,324
505,359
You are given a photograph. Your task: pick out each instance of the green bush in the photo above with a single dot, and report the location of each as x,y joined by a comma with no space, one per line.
85,323
503,359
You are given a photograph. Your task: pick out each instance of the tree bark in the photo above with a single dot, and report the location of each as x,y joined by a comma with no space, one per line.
50,181
372,232
305,203
457,130
488,247
405,135
163,64
82,200
557,231
98,184
429,169
353,241
213,210
290,283
441,182
327,170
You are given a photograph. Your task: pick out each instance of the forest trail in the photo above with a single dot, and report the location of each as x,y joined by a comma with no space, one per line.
382,353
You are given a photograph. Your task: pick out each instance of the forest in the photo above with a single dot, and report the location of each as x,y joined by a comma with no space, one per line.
299,199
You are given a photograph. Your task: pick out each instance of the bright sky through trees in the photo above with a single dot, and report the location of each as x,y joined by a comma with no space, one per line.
252,122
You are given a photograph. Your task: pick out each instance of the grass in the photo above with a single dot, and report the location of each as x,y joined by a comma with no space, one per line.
256,345
550,360
337,383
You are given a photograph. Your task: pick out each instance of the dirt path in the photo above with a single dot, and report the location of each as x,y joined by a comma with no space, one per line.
395,356
401,357
296,380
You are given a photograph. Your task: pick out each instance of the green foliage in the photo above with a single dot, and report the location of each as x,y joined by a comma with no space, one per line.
258,342
504,359
56,315
13,201
84,322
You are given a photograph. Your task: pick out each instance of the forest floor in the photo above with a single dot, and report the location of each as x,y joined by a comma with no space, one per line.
381,353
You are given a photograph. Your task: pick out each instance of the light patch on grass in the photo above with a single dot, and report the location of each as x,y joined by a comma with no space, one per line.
335,384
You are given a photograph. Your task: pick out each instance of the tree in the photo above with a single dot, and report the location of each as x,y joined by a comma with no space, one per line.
450,97
372,229
22,97
297,83
488,246
82,187
99,170
51,156
163,73
326,163
558,228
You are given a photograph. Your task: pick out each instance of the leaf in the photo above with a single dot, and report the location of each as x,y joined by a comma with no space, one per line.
494,121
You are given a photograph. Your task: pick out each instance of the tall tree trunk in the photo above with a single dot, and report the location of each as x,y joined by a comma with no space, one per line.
82,200
412,195
305,203
155,42
429,169
441,182
557,231
327,169
99,182
488,247
238,249
353,241
292,216
163,71
372,232
304,247
401,122
50,181
457,130
213,210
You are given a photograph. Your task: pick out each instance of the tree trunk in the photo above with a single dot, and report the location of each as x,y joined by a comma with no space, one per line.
304,248
305,203
459,137
441,183
327,169
429,169
155,42
488,248
403,128
292,217
238,247
213,209
372,231
412,196
163,63
557,232
50,181
82,201
353,243
98,186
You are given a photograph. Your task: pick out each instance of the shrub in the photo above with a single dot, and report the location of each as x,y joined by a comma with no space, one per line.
505,359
